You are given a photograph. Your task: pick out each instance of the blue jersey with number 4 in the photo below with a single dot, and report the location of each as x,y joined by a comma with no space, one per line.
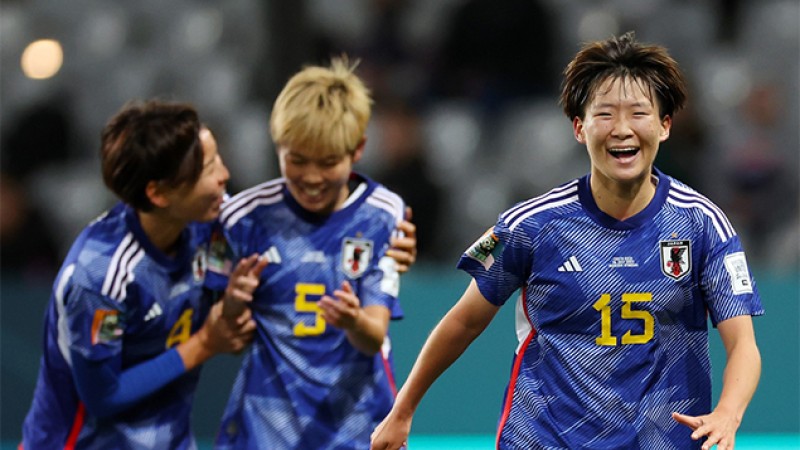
109,376
302,385
612,317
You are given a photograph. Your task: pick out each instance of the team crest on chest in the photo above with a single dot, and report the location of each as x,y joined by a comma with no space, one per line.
676,258
356,255
200,264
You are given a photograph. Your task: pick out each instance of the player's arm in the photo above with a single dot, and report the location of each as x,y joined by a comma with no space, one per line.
403,249
107,389
365,327
448,340
739,381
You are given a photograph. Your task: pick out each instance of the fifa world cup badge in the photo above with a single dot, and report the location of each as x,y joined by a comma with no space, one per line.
482,250
676,258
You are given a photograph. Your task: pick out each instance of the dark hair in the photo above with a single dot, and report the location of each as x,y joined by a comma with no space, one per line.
622,57
150,141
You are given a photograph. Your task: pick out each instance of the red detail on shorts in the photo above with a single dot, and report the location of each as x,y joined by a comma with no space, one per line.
514,374
77,424
388,369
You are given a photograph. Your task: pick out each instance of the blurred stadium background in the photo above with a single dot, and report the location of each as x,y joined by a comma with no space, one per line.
466,123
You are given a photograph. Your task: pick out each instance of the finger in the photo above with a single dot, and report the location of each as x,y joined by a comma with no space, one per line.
245,264
690,421
710,442
346,287
409,214
258,267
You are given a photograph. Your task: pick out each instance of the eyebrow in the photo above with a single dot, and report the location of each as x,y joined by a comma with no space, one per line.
614,105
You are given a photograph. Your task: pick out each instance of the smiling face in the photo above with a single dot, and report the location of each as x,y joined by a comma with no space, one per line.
317,181
622,131
201,201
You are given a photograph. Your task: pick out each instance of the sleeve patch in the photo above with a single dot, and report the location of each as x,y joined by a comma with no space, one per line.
390,283
484,248
736,265
105,326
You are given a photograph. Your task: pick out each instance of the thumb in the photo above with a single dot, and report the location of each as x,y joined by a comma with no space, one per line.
346,287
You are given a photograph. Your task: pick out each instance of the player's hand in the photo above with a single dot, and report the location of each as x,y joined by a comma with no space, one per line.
227,335
241,285
343,309
391,434
719,428
404,249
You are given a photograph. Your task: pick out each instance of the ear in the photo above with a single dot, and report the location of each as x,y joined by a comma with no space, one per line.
666,125
359,151
157,194
577,130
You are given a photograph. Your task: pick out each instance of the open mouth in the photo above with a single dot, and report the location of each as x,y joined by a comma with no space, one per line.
621,153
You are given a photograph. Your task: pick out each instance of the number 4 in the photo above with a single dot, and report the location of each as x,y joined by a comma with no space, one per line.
602,305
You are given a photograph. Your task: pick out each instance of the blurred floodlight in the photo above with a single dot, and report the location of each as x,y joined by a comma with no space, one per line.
42,59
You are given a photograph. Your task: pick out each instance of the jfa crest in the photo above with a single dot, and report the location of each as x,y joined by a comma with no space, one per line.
200,264
356,255
676,258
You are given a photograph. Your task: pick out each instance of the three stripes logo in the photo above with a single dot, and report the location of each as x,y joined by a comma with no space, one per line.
571,265
154,312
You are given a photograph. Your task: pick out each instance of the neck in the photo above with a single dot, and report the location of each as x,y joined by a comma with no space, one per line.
162,232
622,201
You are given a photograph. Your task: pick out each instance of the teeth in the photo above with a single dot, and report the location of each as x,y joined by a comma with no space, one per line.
622,150
312,192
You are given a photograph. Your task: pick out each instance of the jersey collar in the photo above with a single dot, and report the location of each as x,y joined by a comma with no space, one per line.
641,218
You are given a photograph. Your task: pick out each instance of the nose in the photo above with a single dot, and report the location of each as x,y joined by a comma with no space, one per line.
312,174
622,128
224,174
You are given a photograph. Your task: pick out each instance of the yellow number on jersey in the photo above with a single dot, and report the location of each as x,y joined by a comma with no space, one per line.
628,298
182,329
302,304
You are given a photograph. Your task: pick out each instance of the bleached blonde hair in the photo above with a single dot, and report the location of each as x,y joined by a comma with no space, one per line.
323,110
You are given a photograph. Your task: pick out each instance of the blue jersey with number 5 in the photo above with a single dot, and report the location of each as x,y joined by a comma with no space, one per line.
302,385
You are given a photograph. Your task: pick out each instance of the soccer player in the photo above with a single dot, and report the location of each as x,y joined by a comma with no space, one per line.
129,322
319,373
620,271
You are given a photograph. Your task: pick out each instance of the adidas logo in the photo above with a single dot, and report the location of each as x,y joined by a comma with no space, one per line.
272,255
154,312
571,265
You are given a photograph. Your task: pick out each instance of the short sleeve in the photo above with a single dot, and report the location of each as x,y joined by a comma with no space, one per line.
498,261
727,284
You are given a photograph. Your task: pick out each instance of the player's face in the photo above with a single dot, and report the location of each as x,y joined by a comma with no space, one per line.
318,182
622,131
201,202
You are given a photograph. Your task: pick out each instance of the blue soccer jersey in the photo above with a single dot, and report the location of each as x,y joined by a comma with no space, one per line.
121,303
302,385
612,316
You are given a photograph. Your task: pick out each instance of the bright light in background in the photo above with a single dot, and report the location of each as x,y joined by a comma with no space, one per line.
42,59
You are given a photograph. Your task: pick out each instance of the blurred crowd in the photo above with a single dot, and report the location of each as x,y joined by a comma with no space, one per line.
465,123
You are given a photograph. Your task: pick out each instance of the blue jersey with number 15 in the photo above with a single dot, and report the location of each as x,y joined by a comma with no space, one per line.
612,317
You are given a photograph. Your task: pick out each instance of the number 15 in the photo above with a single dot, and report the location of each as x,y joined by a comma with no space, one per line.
627,312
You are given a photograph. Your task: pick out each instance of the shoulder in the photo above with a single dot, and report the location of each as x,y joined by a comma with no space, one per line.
686,200
104,256
247,201
385,200
557,202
